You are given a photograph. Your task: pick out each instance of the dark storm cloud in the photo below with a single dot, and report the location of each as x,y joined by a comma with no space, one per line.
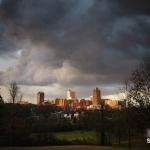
134,7
6,43
31,19
102,39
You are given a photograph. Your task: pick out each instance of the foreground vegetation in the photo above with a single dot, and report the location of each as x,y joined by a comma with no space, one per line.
70,148
37,126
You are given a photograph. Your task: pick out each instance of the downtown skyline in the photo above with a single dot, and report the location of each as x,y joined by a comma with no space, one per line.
51,46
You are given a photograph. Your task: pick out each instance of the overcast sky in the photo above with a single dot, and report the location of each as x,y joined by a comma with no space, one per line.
53,45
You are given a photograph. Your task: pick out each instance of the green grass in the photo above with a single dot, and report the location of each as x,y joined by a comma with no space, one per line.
76,135
65,148
90,137
73,136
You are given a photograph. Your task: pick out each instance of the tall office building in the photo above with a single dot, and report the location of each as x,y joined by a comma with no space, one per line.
96,97
40,97
71,95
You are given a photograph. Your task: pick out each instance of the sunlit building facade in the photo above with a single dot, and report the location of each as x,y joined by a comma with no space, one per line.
71,95
96,97
60,102
113,104
40,98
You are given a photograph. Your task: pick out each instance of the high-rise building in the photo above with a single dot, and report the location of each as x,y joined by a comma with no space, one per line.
96,97
40,97
71,95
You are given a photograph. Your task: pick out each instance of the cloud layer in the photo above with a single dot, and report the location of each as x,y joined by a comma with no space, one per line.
75,42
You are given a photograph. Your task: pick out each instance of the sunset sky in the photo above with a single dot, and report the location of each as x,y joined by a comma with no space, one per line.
53,45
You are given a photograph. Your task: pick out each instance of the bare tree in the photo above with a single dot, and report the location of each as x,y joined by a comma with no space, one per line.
128,106
1,98
140,90
13,90
138,95
14,93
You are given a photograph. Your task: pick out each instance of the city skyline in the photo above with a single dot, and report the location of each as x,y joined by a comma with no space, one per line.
79,44
4,92
94,102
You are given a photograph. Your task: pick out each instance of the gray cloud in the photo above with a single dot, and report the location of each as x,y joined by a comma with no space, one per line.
134,7
74,42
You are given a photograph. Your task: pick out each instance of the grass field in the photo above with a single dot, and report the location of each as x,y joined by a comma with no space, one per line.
68,148
76,135
79,138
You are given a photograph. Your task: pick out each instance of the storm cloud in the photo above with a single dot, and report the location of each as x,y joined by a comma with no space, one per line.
74,42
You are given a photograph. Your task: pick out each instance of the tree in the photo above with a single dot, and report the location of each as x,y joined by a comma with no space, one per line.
103,132
13,90
139,93
138,98
1,100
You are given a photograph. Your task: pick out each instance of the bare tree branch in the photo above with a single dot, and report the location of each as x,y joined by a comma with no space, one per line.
13,90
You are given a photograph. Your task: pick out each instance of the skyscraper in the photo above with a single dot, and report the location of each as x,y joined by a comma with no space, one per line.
40,97
71,95
96,97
